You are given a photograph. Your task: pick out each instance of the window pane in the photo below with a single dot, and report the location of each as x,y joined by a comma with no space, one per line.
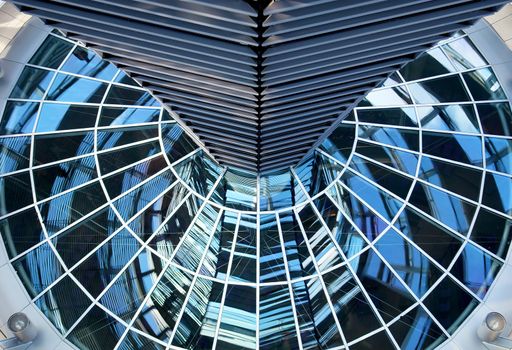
51,53
19,117
66,117
32,83
85,62
69,88
446,89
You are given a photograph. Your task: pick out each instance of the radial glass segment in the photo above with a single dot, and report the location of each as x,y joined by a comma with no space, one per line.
127,234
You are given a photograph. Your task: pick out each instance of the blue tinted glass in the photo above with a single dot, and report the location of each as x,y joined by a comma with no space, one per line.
463,54
439,90
277,329
414,268
51,148
461,148
63,304
68,88
431,63
86,62
498,154
417,330
448,209
476,269
32,83
19,117
498,192
66,117
38,269
450,117
14,153
448,302
126,116
238,319
484,85
51,53
67,208
276,191
129,290
120,95
21,231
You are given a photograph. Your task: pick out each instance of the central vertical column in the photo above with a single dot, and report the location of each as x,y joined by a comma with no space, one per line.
260,8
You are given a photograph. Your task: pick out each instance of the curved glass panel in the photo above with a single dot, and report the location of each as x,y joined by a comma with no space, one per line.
126,234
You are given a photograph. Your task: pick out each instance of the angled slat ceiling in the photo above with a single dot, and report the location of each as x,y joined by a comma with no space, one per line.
260,82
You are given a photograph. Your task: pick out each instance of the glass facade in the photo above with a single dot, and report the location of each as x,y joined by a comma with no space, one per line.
126,234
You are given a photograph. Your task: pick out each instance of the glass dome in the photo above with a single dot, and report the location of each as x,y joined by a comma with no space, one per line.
127,235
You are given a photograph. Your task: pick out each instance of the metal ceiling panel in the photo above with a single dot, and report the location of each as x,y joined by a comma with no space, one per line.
260,82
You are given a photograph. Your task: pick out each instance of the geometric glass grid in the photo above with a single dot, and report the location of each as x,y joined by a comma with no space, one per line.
127,235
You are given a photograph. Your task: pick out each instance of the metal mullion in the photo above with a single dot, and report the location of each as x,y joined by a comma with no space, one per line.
194,279
171,165
441,104
99,246
31,160
100,178
81,75
150,337
128,145
430,217
319,276
143,303
289,282
157,281
92,104
418,166
342,254
446,160
258,258
95,153
185,157
327,155
432,260
349,219
206,201
92,128
437,76
482,181
226,283
422,181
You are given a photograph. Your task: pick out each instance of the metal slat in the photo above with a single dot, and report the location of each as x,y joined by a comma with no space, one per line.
259,91
185,69
417,22
235,6
194,9
358,17
289,5
156,19
365,50
190,91
207,126
300,14
268,141
234,62
249,113
351,62
180,15
57,13
215,85
312,137
309,108
230,113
